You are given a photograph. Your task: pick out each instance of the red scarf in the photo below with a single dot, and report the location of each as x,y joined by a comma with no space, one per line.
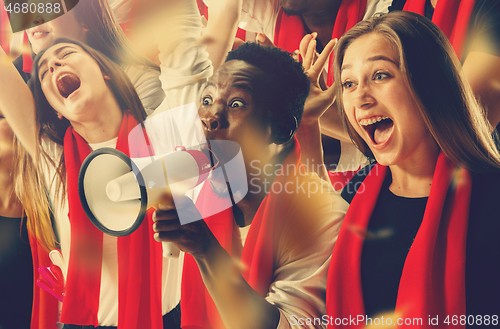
139,256
451,16
27,60
197,308
433,278
45,310
290,30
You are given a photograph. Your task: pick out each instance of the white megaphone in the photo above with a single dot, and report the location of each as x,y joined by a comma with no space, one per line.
116,190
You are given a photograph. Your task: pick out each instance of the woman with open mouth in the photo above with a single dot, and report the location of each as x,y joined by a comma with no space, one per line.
84,102
418,243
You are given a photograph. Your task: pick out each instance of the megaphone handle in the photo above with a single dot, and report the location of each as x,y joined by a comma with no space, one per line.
170,250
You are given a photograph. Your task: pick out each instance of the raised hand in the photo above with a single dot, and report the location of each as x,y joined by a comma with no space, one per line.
317,102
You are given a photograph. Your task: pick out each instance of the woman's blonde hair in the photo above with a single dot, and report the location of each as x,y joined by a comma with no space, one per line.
434,77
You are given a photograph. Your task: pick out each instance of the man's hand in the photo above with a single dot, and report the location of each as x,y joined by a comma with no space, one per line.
193,238
238,304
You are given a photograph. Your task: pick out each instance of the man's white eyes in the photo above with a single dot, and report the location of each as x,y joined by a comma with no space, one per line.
207,101
236,103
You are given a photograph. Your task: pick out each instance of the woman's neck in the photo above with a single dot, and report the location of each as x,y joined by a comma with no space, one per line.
10,206
102,128
413,179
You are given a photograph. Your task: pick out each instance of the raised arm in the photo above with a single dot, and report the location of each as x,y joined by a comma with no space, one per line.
17,104
151,25
318,100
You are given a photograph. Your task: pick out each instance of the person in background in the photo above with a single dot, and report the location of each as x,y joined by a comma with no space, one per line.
24,222
93,23
473,28
15,255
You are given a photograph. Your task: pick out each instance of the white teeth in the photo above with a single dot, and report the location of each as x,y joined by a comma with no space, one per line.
367,122
37,34
62,76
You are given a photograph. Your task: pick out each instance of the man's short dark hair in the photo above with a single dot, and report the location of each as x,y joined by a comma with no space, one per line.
284,87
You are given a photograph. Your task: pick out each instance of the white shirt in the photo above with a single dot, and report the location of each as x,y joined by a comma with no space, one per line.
147,85
303,252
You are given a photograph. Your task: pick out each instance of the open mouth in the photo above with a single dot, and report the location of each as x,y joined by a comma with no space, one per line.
67,84
379,128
